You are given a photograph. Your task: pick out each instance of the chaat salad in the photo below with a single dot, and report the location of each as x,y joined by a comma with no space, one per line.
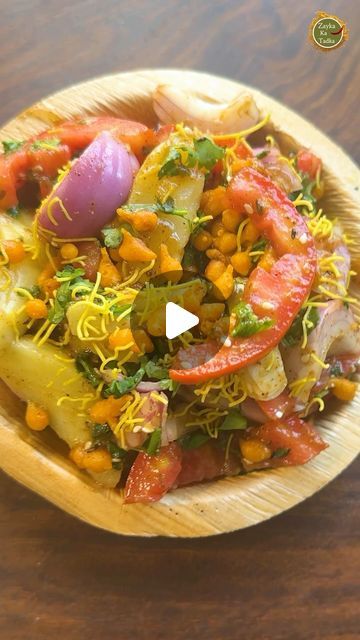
103,222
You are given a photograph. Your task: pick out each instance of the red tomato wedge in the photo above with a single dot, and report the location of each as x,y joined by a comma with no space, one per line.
308,163
283,404
46,160
285,287
12,166
205,463
151,477
78,134
300,437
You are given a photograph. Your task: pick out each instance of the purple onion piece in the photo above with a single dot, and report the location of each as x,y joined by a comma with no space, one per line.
87,198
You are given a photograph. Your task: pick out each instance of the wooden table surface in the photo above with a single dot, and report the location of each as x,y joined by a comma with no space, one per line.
294,577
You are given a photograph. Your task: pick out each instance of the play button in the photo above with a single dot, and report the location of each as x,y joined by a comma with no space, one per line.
178,320
172,306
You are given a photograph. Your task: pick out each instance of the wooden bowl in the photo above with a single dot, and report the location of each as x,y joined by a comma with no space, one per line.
40,462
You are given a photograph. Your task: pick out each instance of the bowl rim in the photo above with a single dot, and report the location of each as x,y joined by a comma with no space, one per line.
222,505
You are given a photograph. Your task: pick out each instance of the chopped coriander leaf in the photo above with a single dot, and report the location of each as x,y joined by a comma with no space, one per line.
117,309
84,366
233,420
172,165
156,371
117,454
208,153
295,333
169,385
153,444
336,370
194,440
14,212
248,323
262,154
168,206
112,237
10,146
45,143
62,300
181,159
280,453
118,388
35,291
70,272
100,433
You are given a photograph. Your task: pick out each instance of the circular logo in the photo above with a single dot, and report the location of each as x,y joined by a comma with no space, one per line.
328,32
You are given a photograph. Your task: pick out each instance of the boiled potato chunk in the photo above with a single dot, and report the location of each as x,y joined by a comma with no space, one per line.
185,190
23,274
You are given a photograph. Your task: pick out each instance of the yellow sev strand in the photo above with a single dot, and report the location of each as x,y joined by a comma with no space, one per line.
245,132
318,361
240,231
297,386
7,278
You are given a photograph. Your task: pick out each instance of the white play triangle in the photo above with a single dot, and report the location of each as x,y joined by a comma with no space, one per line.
178,320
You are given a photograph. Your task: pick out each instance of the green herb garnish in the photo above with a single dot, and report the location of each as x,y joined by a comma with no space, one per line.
117,455
118,388
84,365
233,420
45,143
280,452
14,212
156,371
208,153
248,323
194,440
62,300
295,333
153,445
35,291
181,159
112,237
10,146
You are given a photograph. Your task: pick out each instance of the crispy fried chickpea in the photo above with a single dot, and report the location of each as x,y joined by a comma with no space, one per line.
214,270
241,262
231,219
254,450
343,389
250,233
214,201
97,460
36,309
226,243
36,417
14,250
202,240
69,251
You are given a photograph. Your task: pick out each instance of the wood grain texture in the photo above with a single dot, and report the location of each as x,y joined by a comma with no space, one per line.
295,576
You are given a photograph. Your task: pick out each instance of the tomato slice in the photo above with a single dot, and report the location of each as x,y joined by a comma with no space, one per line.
12,167
308,163
283,404
47,162
78,134
278,294
151,477
300,437
205,463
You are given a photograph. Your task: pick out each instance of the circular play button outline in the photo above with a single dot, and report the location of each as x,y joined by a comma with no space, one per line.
169,305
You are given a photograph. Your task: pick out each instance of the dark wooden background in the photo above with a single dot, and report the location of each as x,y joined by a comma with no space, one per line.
295,577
